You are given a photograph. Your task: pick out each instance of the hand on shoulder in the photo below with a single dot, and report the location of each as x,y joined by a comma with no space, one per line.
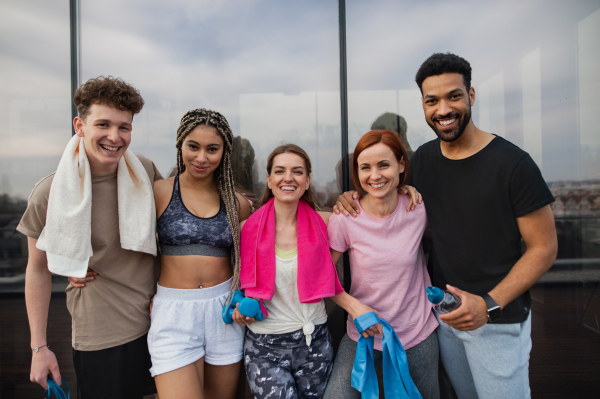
346,205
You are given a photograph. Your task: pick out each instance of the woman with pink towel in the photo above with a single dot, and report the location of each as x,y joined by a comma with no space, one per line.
287,265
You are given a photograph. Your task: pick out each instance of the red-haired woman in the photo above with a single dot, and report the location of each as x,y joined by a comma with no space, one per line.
387,264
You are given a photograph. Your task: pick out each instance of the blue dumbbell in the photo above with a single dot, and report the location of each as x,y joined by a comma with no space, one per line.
229,308
248,307
251,308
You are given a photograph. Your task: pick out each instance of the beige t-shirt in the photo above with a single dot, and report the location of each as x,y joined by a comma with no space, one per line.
113,309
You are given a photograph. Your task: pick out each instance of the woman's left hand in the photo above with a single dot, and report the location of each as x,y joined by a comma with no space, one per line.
80,282
415,197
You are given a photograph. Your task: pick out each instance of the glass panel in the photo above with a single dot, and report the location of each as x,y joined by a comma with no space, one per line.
36,115
535,72
271,68
35,120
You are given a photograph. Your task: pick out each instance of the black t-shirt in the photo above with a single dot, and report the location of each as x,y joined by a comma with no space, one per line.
472,205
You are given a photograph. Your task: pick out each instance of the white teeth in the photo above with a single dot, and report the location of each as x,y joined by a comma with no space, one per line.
447,122
378,185
112,149
288,188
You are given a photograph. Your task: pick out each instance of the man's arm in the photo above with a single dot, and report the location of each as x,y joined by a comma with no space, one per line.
38,289
539,232
346,205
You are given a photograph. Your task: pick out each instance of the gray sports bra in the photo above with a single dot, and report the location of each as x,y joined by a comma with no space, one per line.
180,232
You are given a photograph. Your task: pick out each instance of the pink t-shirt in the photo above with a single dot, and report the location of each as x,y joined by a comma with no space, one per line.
388,269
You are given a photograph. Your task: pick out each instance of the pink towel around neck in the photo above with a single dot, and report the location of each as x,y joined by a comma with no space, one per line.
317,277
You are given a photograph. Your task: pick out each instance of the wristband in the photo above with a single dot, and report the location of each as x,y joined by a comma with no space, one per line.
494,313
36,350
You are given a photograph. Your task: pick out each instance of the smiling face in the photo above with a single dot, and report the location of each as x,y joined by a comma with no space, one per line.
202,151
379,171
106,133
288,179
447,105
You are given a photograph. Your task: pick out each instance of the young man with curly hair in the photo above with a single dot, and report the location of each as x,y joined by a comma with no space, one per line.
110,316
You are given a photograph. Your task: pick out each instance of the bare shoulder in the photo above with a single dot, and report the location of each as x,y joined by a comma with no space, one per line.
164,185
325,216
244,210
162,190
242,223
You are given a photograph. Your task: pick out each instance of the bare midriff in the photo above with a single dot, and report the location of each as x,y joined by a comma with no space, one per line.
193,271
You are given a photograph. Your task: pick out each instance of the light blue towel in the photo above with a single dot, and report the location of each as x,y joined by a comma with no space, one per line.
397,383
54,388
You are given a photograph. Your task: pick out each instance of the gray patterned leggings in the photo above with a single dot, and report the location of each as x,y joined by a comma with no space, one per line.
282,366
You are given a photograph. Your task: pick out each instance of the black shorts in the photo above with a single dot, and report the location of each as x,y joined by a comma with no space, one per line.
121,372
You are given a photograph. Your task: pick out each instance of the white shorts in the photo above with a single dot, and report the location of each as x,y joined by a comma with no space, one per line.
187,325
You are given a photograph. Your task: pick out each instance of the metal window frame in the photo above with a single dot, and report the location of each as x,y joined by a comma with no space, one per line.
344,123
75,54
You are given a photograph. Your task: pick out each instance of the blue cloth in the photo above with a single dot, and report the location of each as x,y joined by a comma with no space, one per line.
397,383
54,388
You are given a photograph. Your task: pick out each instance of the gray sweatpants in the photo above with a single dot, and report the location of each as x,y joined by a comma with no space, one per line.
422,364
491,362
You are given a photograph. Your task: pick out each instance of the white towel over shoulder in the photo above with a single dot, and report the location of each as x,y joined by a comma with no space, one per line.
67,237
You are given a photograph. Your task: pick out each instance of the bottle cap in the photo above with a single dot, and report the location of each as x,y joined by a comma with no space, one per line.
435,295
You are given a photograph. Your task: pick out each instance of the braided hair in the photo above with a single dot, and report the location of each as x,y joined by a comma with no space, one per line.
223,173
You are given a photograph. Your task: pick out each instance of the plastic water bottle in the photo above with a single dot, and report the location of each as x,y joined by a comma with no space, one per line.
444,301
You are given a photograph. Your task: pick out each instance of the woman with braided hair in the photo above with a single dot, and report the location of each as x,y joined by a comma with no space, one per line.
193,354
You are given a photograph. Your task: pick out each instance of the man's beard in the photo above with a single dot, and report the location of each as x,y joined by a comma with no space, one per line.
454,134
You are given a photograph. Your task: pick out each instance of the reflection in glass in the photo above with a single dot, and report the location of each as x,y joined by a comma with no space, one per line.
537,85
36,116
270,67
35,125
310,120
532,106
588,30
491,105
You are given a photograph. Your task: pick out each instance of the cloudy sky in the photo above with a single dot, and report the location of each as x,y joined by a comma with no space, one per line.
272,68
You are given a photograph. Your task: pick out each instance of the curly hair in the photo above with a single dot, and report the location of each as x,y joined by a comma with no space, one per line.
439,64
223,173
108,91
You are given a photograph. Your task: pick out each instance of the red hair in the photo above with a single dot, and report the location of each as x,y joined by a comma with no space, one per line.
391,140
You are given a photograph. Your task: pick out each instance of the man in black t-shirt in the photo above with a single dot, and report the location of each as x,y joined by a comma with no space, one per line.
482,194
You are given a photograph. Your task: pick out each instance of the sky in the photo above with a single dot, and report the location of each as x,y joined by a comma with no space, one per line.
272,68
